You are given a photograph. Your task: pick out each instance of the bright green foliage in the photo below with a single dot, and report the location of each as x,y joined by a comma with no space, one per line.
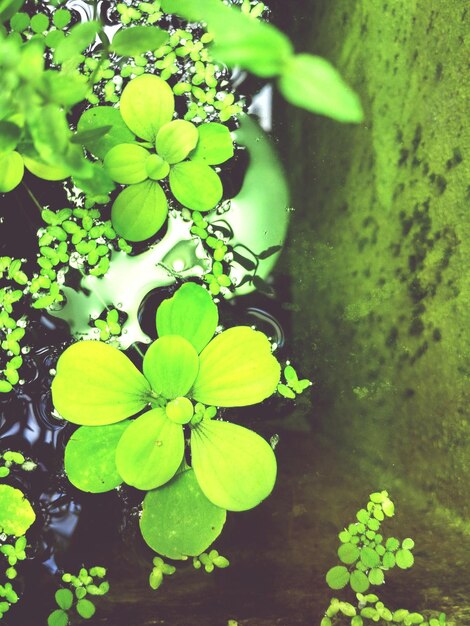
240,41
36,101
365,552
16,513
232,446
150,450
314,84
178,520
160,569
89,388
109,327
10,459
366,556
12,553
137,40
210,561
190,313
75,595
233,467
292,386
370,610
99,117
147,107
98,443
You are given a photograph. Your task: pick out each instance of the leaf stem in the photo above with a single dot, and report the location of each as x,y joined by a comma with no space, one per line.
33,197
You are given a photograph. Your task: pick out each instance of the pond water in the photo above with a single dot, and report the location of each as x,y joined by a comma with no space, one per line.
353,432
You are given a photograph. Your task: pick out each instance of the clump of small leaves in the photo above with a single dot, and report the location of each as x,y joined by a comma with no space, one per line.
86,583
9,459
292,386
159,570
14,552
110,326
12,326
185,365
370,609
366,556
210,561
364,551
16,517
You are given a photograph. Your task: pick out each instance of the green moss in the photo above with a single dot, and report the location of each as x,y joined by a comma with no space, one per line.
382,240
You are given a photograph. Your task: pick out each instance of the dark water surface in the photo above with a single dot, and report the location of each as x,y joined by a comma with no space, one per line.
336,445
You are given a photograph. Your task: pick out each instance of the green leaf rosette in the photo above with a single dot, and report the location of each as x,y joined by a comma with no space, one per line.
98,387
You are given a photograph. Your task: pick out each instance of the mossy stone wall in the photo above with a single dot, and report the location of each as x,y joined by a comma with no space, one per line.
380,239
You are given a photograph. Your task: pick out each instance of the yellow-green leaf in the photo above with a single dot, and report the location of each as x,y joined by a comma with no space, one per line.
235,467
178,520
191,313
171,366
147,103
150,450
237,368
97,384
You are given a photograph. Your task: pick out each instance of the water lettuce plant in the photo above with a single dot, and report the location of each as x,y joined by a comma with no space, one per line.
173,149
99,388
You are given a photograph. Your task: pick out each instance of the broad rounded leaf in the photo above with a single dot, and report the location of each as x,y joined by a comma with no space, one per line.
147,103
376,576
125,163
139,211
16,513
312,83
171,365
235,467
97,117
191,313
215,144
337,577
178,520
97,384
348,553
150,450
175,140
359,581
237,368
11,171
64,598
369,557
196,185
404,558
138,40
45,171
58,618
90,461
85,608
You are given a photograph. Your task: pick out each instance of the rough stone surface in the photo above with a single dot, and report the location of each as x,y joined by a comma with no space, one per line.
380,241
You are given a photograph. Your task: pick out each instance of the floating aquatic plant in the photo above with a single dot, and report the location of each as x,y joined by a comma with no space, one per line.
367,556
169,148
184,365
87,583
